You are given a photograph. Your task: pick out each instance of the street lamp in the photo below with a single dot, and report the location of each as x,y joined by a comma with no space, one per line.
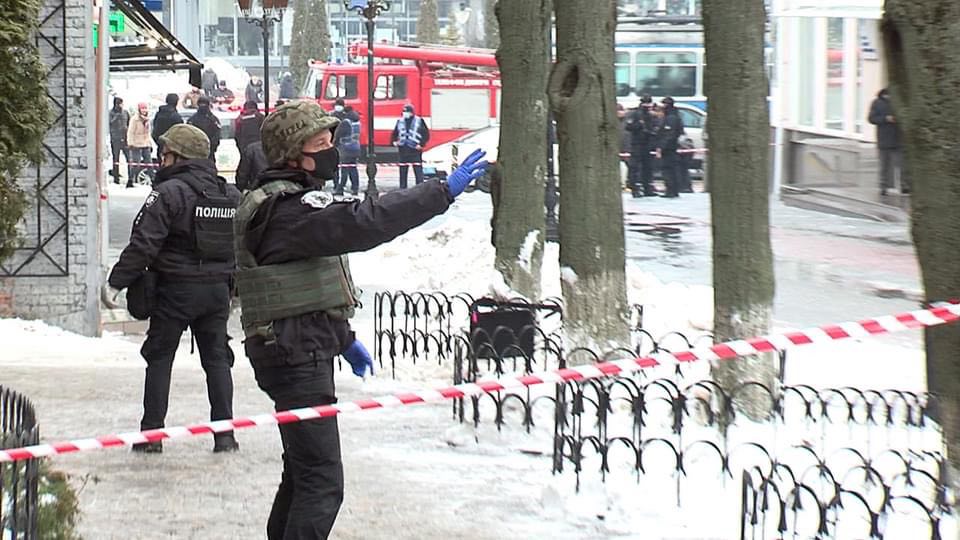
272,12
369,10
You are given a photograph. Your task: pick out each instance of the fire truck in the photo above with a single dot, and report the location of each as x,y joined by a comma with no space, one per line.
455,90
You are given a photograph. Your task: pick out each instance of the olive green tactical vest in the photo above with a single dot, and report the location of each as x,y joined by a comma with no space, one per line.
276,291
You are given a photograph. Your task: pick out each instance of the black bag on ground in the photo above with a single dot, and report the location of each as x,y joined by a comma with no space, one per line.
142,295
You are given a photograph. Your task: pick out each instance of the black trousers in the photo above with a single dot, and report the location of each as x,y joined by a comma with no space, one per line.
640,175
350,172
412,157
670,162
204,307
891,166
311,485
118,148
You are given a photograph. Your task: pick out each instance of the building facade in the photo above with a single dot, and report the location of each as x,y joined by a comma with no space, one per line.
216,29
56,274
829,68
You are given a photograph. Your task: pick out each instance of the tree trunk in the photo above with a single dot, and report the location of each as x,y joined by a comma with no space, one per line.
739,139
522,156
921,38
428,24
582,96
309,39
491,24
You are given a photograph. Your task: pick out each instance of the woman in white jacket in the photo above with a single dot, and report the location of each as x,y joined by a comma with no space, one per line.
139,142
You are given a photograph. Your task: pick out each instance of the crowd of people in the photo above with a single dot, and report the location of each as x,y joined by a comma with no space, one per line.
654,132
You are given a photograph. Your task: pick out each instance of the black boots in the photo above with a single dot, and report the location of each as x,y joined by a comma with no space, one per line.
224,442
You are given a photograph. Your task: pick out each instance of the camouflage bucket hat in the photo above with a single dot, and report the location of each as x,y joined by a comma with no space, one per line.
187,141
286,129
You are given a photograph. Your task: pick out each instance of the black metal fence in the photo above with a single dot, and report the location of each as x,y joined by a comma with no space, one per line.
18,480
802,450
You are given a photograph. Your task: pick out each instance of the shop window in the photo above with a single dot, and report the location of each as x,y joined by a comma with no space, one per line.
390,87
341,86
835,78
667,73
805,67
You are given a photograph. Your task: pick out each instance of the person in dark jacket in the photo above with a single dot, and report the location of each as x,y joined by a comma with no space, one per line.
410,135
287,89
297,297
205,120
184,235
222,94
167,116
208,81
247,125
252,162
641,125
671,128
254,91
119,121
888,143
347,138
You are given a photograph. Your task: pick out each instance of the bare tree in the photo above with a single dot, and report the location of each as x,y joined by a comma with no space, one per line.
921,40
522,158
428,23
739,139
310,38
581,91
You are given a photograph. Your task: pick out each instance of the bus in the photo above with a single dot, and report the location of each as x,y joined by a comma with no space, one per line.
661,59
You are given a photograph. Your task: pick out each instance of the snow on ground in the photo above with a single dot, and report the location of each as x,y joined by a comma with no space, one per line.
452,253
36,342
152,88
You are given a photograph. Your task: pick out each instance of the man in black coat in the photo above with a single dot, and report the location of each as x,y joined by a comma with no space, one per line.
347,138
289,232
641,125
183,235
671,129
119,121
252,162
888,143
208,124
167,116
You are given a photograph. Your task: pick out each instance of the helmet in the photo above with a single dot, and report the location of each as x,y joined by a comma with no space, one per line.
187,141
288,127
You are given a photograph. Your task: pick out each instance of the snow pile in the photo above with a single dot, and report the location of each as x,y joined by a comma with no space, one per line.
32,342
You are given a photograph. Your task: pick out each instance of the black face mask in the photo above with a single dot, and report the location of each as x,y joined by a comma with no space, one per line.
325,164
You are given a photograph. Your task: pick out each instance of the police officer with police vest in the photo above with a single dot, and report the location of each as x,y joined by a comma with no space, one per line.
410,135
347,137
297,296
182,240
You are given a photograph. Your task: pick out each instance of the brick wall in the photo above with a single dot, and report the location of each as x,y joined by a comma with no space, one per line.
55,275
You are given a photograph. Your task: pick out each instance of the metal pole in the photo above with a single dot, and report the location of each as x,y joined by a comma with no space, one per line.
265,27
371,150
102,72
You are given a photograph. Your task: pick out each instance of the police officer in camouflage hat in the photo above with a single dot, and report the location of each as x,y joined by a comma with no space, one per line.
180,259
297,294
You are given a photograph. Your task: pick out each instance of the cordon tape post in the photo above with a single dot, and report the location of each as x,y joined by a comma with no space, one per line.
937,314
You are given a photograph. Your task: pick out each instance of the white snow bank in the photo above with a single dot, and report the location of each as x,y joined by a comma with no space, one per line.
38,342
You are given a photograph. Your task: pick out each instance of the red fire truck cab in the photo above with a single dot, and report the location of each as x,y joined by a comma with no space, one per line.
456,91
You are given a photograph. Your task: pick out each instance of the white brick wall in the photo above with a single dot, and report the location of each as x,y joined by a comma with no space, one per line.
60,284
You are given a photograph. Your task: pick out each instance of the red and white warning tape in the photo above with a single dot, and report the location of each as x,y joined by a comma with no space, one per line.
941,313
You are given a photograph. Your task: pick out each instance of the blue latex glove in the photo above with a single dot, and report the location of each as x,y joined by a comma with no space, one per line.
359,359
468,171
